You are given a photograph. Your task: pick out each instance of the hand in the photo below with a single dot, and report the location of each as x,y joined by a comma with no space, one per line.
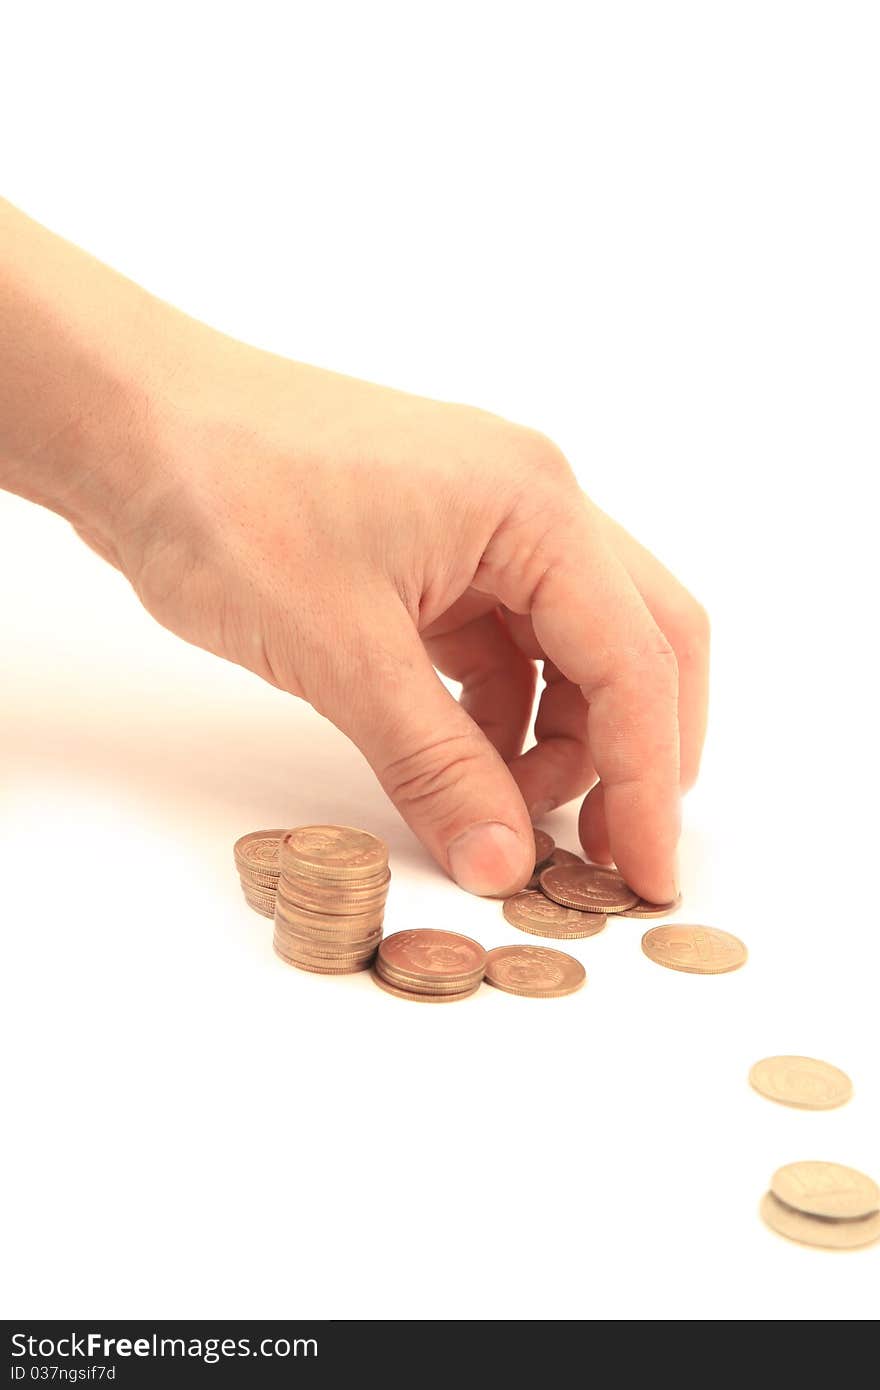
342,540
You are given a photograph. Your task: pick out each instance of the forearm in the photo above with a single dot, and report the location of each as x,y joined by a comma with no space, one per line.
84,356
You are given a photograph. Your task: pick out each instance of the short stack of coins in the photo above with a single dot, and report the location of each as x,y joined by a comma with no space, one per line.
330,902
256,858
430,967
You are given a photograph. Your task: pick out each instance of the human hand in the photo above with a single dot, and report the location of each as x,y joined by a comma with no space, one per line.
342,540
338,538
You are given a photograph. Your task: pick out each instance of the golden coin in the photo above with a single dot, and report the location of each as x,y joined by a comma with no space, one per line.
645,909
544,846
564,856
434,986
535,971
421,998
254,879
314,969
825,1189
297,946
587,888
819,1230
266,895
328,924
333,851
559,856
803,1082
258,851
540,916
427,954
694,950
263,911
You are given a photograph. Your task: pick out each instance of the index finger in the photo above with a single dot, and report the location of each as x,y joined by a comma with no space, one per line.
594,625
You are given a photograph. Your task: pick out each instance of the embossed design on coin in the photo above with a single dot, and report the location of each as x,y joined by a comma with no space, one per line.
645,909
335,850
535,971
429,952
803,1082
587,888
825,1189
694,950
259,850
819,1230
544,846
532,912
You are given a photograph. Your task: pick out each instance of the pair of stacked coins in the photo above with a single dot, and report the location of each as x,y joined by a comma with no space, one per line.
330,901
823,1204
256,858
430,966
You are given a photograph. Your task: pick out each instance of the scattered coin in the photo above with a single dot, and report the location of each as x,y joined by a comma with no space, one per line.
587,888
535,971
533,912
819,1230
826,1189
803,1082
694,950
544,847
645,909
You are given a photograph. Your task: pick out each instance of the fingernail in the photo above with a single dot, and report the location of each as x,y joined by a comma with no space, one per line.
541,808
489,858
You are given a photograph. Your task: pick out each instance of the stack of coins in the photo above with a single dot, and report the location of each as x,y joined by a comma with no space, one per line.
330,902
823,1204
256,858
431,967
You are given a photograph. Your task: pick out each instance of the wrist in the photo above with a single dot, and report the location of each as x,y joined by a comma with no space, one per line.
84,358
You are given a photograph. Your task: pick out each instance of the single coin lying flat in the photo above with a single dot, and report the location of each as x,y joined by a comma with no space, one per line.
819,1230
694,950
826,1189
803,1082
535,971
533,912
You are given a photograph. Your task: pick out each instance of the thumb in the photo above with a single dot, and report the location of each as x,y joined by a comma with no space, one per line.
442,773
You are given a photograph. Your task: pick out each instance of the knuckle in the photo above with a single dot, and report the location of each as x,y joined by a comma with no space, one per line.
655,667
690,632
543,459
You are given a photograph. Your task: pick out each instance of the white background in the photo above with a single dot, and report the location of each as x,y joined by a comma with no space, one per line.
651,231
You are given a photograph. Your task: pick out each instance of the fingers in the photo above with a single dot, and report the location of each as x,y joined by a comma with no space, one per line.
497,681
593,624
560,765
440,770
686,625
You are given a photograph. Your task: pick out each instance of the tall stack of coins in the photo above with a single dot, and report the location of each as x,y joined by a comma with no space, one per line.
256,858
431,967
330,901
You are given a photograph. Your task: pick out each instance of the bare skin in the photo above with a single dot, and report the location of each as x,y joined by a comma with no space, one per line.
343,540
